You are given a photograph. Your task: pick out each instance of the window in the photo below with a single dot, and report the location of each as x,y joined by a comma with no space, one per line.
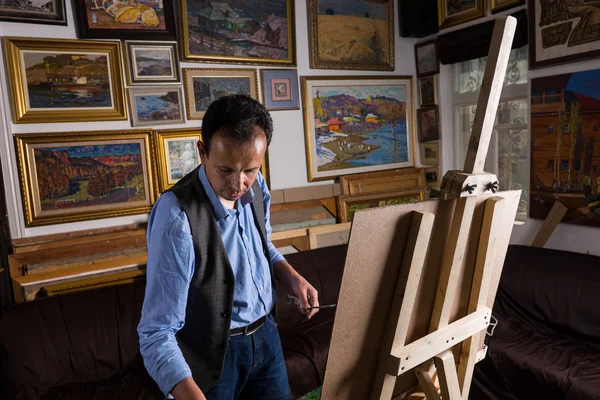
550,129
508,155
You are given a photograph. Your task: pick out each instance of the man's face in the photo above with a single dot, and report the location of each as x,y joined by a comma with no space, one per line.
231,167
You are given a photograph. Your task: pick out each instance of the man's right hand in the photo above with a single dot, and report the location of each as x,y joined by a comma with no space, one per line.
187,390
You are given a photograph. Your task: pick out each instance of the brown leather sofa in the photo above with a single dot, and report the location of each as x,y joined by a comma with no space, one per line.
547,341
84,346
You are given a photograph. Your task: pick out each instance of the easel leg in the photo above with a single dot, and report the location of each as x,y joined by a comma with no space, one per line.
426,382
447,373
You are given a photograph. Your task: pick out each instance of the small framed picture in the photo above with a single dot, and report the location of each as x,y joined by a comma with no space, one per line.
427,58
428,91
280,89
430,154
432,177
34,12
177,154
205,85
150,63
429,126
156,105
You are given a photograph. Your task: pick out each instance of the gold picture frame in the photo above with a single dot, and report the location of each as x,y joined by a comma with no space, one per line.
79,176
447,18
501,5
46,85
348,204
336,147
170,141
264,35
197,103
339,36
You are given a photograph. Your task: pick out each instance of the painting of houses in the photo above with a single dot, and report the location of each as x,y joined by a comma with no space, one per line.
251,31
565,119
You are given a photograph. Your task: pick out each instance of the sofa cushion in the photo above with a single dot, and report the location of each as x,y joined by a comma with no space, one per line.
78,337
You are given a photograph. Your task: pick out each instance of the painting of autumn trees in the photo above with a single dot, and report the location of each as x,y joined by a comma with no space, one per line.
89,175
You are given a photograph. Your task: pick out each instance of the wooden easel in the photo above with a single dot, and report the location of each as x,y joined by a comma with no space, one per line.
420,279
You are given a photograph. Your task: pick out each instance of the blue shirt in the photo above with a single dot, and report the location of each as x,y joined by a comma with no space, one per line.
170,270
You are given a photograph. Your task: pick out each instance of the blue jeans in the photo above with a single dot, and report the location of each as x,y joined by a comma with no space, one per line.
254,368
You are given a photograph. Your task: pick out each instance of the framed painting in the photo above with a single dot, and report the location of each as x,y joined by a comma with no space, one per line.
432,177
151,63
177,154
430,154
565,161
356,124
161,105
501,5
562,34
349,204
55,80
205,85
135,19
351,34
456,12
429,124
239,32
78,176
427,58
280,89
428,91
34,12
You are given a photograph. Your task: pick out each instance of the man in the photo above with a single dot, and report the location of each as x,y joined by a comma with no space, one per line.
206,329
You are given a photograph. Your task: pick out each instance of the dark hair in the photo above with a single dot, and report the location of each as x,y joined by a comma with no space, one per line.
236,116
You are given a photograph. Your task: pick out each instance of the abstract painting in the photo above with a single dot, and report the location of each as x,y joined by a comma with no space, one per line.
34,11
428,120
249,31
565,137
563,31
84,175
357,124
156,106
351,34
133,19
203,86
280,89
455,12
151,62
177,154
64,81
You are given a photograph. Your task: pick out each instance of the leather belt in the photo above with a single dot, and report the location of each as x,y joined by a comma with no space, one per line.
248,329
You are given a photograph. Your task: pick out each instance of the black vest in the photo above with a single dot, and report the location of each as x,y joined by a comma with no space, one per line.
204,337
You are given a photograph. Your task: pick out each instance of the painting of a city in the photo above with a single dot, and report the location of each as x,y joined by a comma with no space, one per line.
565,129
85,176
357,126
67,80
250,30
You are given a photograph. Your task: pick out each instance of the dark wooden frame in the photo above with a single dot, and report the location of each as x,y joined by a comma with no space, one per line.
29,17
423,44
420,112
496,9
533,63
84,31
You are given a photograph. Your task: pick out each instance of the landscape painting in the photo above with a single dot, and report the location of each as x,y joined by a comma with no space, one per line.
455,12
33,11
158,106
249,31
67,80
350,204
83,179
565,146
203,86
357,124
351,34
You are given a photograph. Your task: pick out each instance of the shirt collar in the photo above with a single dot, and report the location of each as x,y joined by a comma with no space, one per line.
218,207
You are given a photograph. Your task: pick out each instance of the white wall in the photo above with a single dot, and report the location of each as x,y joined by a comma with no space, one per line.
286,153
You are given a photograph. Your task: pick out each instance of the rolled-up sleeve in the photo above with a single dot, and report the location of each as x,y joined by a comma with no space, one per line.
168,274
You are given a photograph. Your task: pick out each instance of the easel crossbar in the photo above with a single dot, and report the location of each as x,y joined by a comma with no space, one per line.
404,358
